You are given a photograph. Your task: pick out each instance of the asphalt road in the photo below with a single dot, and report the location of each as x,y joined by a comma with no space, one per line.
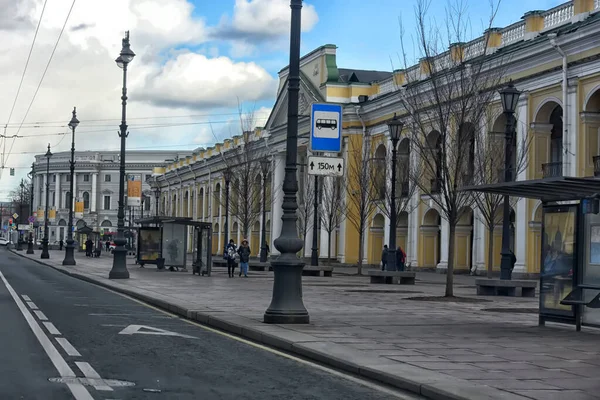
95,344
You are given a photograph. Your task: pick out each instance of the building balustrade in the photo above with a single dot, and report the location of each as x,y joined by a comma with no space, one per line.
552,170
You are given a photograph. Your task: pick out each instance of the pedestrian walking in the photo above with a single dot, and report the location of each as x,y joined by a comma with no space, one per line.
60,244
89,246
384,256
400,259
108,245
230,252
244,252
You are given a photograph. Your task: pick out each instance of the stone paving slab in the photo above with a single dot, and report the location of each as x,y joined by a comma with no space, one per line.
441,350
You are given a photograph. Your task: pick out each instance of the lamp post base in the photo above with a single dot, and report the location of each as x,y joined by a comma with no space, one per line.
287,306
391,260
263,254
506,266
30,245
119,267
45,254
19,246
69,253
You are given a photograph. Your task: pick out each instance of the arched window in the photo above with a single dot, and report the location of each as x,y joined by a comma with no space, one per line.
68,199
86,200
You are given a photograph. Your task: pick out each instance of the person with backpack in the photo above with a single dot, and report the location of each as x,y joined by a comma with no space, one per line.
230,252
400,259
244,252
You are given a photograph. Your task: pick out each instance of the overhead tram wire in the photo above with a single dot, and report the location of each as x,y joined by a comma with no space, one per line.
37,29
42,78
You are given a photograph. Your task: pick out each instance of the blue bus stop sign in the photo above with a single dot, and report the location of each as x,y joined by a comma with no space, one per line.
326,128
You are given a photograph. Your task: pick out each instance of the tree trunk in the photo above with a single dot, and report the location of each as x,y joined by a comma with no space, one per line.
360,251
450,270
490,255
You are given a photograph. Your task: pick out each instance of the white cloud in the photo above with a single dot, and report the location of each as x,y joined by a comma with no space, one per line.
196,81
256,21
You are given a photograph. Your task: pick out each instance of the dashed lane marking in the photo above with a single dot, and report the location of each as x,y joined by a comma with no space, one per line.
78,390
51,328
68,347
91,373
41,316
26,298
32,305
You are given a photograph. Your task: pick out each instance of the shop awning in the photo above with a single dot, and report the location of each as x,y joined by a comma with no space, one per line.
547,190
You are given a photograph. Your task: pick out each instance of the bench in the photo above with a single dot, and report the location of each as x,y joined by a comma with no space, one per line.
392,277
501,287
258,266
310,270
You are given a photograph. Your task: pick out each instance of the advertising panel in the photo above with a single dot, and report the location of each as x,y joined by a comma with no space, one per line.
134,191
79,209
40,215
149,244
52,215
558,259
174,242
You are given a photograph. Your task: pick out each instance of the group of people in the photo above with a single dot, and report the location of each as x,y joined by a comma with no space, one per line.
400,258
233,254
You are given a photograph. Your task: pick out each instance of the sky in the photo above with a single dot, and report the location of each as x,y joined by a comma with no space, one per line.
199,64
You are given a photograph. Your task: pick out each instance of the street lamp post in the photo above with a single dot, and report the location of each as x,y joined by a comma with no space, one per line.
314,254
30,236
286,305
395,126
45,254
70,248
20,218
156,190
227,177
509,97
264,166
119,267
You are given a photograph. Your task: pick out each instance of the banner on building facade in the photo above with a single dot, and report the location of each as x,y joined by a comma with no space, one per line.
134,191
40,215
52,215
79,209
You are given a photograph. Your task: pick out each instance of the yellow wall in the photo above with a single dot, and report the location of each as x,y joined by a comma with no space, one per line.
354,152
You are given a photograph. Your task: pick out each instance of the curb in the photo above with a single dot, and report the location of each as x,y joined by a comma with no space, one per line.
429,384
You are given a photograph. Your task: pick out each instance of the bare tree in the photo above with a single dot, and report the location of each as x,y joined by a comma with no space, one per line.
21,198
490,168
332,207
306,207
359,187
446,111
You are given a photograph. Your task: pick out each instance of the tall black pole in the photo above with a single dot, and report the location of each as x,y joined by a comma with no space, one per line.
20,218
314,254
119,267
287,306
45,254
506,262
391,261
157,195
226,211
30,236
263,247
70,247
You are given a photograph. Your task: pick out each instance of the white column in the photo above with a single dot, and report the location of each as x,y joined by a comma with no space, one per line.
522,128
277,212
445,237
36,193
204,202
521,222
94,192
480,233
572,123
413,229
57,191
44,182
190,202
386,229
74,194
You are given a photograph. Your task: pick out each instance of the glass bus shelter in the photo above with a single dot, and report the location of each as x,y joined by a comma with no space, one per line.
570,251
163,241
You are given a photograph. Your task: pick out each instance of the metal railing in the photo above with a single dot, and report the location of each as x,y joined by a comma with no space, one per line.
558,15
552,170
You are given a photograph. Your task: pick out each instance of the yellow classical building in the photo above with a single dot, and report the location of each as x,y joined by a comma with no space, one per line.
552,56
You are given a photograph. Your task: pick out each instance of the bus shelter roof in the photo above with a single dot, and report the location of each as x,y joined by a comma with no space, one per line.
546,190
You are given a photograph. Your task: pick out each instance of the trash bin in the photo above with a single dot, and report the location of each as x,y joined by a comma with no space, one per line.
160,263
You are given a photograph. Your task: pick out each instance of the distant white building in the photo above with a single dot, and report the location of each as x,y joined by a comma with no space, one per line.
96,184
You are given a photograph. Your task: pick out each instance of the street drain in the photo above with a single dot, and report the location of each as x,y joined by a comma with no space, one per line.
92,382
513,310
380,291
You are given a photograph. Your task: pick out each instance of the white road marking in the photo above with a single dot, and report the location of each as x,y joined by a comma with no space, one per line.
79,391
40,315
148,330
51,328
91,373
32,305
68,347
26,298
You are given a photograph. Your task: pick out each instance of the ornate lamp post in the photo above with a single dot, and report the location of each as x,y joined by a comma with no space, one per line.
30,236
264,169
509,97
70,248
20,218
119,267
156,189
227,177
286,305
45,254
395,126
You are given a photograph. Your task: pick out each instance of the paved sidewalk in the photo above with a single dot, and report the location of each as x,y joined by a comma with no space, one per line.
442,350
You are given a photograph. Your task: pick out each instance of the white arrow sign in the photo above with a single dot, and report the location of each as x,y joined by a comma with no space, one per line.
327,166
148,330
